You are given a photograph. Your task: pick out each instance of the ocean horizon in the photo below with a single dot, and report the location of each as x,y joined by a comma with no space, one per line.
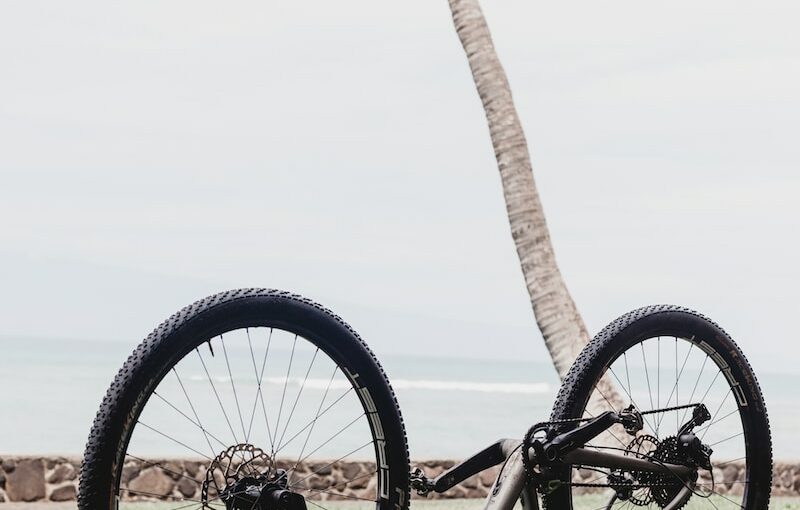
452,406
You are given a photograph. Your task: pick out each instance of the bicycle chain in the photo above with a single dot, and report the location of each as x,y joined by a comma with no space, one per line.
620,485
668,409
553,485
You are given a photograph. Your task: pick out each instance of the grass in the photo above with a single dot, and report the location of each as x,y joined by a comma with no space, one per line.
585,503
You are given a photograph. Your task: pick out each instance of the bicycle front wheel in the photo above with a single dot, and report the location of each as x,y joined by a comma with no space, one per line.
243,394
665,359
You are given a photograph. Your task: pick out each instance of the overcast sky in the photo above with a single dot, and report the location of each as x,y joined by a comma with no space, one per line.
155,152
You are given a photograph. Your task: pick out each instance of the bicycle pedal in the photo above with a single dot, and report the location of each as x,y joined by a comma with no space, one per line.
421,483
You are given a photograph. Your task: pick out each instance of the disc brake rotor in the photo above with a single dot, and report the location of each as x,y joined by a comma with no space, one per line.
234,465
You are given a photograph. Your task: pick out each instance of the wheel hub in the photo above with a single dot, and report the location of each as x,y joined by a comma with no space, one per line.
243,478
262,493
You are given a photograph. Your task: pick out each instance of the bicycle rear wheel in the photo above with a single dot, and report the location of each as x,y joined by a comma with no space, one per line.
242,393
663,357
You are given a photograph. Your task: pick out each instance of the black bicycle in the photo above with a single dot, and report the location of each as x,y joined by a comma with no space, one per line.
277,404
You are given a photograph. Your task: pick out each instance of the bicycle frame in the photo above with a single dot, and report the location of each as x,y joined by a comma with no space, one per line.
512,482
563,451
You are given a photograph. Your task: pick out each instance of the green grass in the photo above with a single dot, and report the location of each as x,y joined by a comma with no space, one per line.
583,503
586,503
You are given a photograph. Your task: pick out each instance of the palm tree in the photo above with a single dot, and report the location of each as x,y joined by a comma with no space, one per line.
562,327
556,314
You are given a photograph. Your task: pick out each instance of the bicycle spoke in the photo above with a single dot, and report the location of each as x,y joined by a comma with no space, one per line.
675,386
737,482
649,391
359,477
297,399
711,502
677,380
694,389
162,467
727,498
702,400
735,411
728,394
165,496
633,402
593,480
259,390
729,462
658,381
190,505
174,440
316,505
283,395
206,433
604,506
316,417
219,401
233,387
727,439
627,373
337,494
311,423
334,462
334,436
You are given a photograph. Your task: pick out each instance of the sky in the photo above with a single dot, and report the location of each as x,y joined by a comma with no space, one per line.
152,153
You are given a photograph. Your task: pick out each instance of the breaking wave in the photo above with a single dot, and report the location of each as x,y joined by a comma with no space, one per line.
404,384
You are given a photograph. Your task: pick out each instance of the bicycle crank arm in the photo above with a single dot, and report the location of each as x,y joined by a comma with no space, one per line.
484,459
557,447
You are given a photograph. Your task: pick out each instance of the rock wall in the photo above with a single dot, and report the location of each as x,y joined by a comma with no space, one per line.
37,478
56,478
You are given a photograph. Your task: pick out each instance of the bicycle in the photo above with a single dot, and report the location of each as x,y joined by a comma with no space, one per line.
611,440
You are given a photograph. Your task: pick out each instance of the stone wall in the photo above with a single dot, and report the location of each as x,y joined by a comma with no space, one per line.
37,478
56,478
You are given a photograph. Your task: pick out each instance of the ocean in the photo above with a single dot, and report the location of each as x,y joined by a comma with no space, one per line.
452,407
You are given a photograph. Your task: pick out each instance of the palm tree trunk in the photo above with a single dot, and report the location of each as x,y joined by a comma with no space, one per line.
556,314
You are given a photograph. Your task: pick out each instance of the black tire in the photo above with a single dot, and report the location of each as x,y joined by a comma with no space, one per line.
655,322
209,318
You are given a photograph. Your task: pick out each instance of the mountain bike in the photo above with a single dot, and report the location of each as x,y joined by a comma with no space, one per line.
275,403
